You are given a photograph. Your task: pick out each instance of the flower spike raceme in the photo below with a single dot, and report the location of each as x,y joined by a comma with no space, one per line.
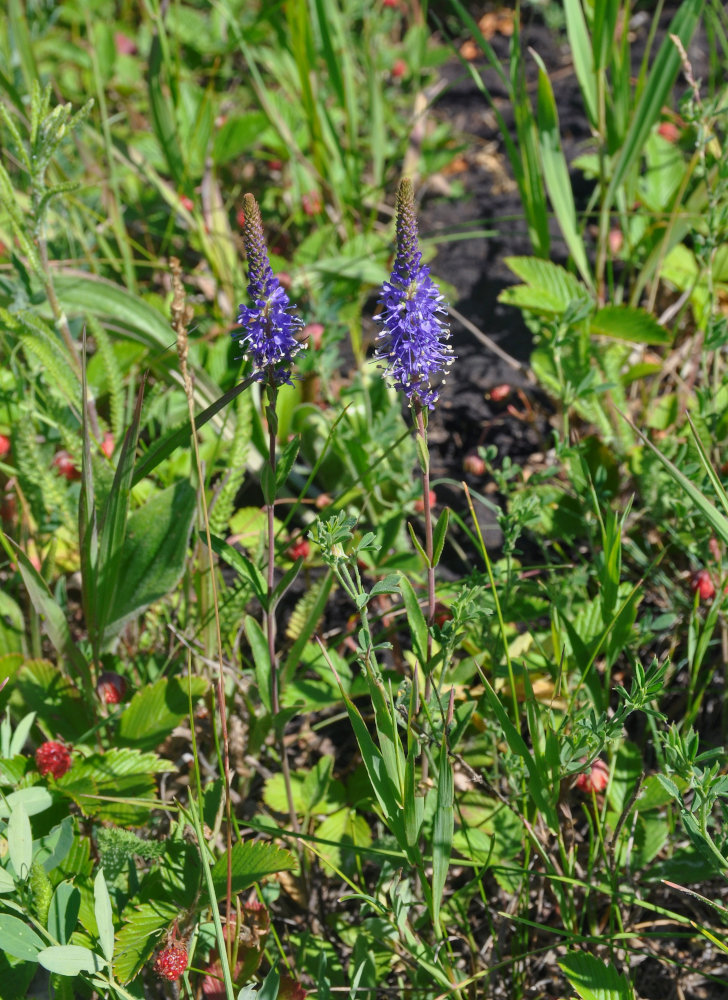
413,340
269,339
268,334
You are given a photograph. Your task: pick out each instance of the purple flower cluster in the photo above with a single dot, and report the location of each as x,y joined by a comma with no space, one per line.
413,339
268,334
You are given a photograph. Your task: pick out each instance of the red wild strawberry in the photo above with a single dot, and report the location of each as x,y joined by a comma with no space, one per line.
4,445
240,218
66,467
595,779
52,758
616,241
186,202
299,549
111,687
399,68
171,962
702,584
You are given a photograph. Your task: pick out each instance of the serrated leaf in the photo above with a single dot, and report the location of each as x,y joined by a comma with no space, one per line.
137,939
70,959
154,711
548,286
593,979
251,862
629,323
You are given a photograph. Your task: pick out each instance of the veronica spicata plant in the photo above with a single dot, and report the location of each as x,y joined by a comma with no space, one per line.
413,345
269,329
269,340
414,349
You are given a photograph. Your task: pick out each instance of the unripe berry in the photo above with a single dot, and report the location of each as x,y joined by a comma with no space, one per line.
474,464
52,758
111,688
500,392
171,962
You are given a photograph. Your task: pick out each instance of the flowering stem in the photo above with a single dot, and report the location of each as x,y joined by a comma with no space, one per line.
270,618
424,458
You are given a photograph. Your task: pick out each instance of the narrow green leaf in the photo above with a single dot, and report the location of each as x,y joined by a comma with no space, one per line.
415,620
63,914
34,800
556,173
581,52
104,915
261,658
20,842
18,939
439,535
70,959
442,832
655,94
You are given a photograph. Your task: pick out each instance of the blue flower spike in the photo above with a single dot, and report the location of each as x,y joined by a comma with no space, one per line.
268,334
413,341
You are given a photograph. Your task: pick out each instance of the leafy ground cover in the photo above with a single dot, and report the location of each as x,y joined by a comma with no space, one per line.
320,676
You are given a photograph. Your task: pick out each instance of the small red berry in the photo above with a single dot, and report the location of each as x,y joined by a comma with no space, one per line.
420,502
399,68
595,779
66,467
111,687
616,241
240,218
390,3
500,392
171,962
4,445
669,131
275,164
442,614
474,464
323,500
52,758
124,45
703,585
314,332
186,202
107,445
311,203
299,549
